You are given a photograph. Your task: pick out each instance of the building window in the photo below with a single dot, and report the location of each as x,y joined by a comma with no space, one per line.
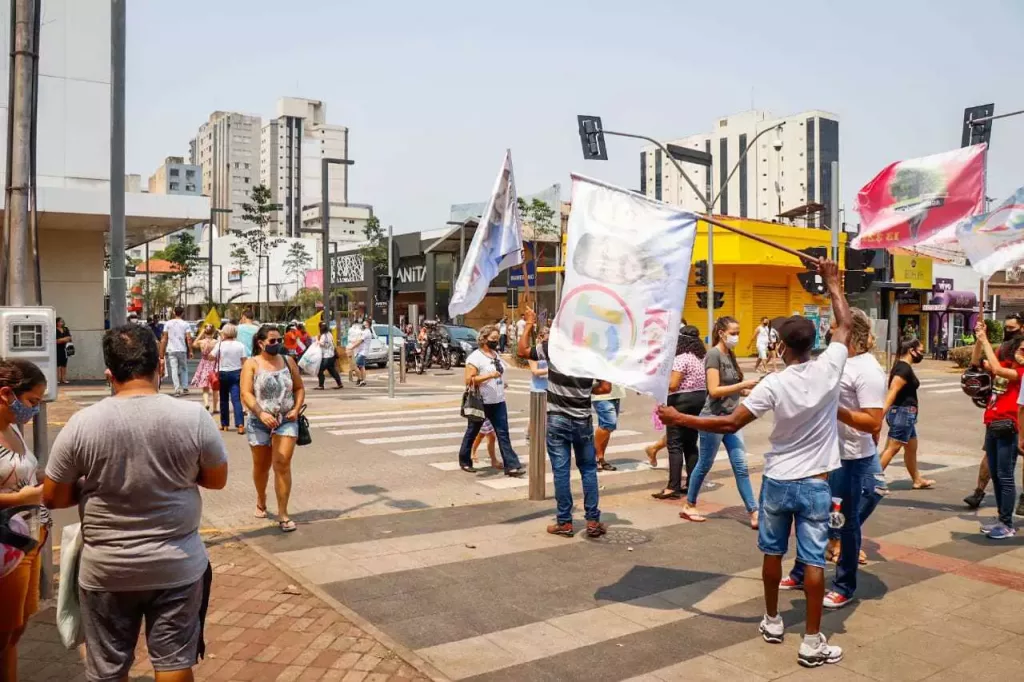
643,172
190,175
811,193
707,172
657,174
173,186
828,151
743,177
723,173
174,172
190,188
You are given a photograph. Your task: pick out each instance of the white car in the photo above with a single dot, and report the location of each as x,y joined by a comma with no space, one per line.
378,354
380,331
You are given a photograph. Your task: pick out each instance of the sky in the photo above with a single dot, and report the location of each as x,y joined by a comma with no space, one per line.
434,92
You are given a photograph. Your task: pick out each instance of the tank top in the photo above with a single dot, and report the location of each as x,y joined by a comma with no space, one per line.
19,471
273,389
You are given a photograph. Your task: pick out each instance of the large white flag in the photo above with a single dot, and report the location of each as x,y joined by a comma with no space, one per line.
497,244
995,241
626,268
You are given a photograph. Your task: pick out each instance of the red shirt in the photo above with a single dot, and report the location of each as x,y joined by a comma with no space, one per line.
1002,404
291,340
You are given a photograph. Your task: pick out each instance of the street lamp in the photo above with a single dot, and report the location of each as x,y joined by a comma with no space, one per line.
209,282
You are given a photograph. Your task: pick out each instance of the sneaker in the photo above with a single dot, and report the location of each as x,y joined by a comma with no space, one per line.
788,583
1019,511
973,501
563,529
822,653
772,629
835,600
177,393
596,529
1001,533
990,527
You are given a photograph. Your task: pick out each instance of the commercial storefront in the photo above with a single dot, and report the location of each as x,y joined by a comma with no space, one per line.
951,317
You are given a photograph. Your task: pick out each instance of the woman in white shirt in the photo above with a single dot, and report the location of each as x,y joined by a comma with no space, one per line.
326,343
230,354
485,373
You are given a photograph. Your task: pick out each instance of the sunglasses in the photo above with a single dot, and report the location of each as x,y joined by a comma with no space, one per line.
497,367
272,342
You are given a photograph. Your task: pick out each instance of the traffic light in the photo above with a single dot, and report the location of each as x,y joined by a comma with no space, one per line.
592,138
700,276
702,300
855,279
383,288
811,281
856,259
719,299
978,132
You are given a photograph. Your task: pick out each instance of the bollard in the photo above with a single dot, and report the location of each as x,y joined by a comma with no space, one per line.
401,365
538,444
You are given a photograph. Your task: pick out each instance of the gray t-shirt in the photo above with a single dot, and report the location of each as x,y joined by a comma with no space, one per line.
728,374
140,506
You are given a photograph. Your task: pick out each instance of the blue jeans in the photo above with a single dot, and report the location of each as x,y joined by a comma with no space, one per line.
230,390
497,414
177,367
1001,451
856,484
564,435
807,502
709,443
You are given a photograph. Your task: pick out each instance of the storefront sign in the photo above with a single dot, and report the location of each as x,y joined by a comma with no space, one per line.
951,300
914,270
515,273
347,269
908,297
942,284
411,274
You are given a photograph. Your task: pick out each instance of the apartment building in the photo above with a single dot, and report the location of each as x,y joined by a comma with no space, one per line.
227,150
789,168
174,176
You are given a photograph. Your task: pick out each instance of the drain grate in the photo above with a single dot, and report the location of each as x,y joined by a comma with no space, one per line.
624,536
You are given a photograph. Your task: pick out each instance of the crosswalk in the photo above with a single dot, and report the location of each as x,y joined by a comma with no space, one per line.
939,386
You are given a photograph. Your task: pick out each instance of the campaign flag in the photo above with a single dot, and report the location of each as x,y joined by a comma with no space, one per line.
912,200
995,241
626,268
212,318
312,324
497,244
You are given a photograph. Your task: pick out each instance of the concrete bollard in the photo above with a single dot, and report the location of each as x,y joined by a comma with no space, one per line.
538,444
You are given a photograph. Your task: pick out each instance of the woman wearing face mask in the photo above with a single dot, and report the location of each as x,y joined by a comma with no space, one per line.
22,386
485,371
686,393
207,368
901,410
273,393
725,386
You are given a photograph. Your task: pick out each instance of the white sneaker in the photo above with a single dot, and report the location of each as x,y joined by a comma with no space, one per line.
772,629
814,656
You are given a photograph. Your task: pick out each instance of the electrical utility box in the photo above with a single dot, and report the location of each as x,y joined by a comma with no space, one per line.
30,333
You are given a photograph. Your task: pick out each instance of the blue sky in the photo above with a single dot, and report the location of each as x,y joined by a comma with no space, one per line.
433,92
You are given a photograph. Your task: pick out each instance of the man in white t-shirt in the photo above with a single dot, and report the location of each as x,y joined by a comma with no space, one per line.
176,348
520,327
804,449
359,339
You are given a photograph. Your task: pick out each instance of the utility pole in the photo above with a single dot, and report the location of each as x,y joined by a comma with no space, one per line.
117,289
834,213
391,313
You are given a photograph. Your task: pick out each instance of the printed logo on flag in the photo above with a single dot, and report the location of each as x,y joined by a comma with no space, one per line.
601,321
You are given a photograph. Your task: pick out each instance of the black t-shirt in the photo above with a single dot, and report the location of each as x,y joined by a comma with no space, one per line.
907,396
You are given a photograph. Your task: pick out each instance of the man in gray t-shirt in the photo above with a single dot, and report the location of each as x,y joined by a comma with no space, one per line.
134,463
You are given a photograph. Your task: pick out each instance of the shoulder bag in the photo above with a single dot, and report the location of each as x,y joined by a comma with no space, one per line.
215,377
472,405
304,437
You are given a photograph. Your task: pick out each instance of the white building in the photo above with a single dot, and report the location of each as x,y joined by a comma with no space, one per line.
276,284
73,173
174,176
227,147
772,179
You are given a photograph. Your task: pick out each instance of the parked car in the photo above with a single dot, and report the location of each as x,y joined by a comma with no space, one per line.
380,331
461,342
378,355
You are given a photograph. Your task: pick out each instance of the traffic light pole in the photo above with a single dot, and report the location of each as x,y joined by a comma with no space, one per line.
391,314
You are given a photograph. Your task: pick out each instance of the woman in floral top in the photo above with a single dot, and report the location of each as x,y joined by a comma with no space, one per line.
687,394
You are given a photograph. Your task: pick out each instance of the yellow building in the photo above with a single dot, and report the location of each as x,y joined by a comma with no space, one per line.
757,281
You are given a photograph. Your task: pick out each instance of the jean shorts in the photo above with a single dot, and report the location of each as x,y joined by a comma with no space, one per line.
607,414
902,423
806,501
360,360
260,435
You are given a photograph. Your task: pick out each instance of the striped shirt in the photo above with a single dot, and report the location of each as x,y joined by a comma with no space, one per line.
568,396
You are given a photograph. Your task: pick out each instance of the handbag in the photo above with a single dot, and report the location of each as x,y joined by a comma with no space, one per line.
69,349
69,610
1002,428
215,378
304,437
472,405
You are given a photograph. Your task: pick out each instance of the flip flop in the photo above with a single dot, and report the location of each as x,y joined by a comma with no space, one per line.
862,559
692,516
926,484
286,526
261,512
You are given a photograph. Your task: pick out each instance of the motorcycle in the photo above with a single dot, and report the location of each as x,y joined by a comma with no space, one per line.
436,352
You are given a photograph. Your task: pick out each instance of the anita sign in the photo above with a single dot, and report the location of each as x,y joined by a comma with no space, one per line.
411,274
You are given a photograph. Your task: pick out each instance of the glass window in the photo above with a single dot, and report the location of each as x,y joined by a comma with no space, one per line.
643,172
723,173
174,172
811,177
828,151
743,177
657,174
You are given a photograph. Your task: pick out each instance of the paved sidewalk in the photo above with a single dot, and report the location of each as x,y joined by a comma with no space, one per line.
260,627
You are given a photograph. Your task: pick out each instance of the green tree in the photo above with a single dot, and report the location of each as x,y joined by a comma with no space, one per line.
305,301
297,261
160,296
375,250
259,211
540,217
183,253
240,258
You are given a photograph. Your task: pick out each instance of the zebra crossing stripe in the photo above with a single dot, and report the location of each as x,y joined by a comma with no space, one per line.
409,427
453,450
942,385
421,436
948,390
506,483
383,413
394,417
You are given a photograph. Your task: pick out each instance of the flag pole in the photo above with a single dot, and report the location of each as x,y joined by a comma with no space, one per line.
526,277
757,238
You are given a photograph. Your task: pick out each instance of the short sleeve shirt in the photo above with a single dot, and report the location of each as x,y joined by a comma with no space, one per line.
177,331
692,368
907,396
492,391
1002,404
862,387
140,458
728,375
567,396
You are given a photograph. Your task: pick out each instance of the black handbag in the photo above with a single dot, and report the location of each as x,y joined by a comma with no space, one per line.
1002,428
472,405
304,437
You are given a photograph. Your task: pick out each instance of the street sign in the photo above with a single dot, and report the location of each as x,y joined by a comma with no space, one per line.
687,155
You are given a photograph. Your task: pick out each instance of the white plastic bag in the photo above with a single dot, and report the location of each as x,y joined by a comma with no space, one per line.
69,611
309,363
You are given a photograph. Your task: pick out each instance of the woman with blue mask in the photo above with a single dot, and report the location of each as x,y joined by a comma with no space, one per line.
22,386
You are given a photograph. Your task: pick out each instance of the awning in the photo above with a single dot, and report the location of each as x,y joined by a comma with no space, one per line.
952,301
450,241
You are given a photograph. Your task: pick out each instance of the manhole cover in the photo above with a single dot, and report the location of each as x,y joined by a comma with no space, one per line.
624,536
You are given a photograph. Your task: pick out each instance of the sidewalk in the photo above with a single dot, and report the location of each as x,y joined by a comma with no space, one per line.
259,627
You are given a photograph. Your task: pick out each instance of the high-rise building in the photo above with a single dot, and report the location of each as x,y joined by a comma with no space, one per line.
227,148
788,169
292,146
174,176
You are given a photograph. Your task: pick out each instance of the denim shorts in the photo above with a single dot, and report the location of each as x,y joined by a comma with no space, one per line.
807,502
902,423
360,360
260,435
607,414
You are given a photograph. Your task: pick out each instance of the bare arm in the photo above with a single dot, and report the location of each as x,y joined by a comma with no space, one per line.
163,345
246,386
602,388
716,390
895,386
298,390
675,380
59,495
990,355
829,271
523,344
730,423
868,420
30,494
475,378
536,370
213,478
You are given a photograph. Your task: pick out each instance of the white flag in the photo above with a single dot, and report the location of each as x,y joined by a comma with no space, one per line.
995,241
497,244
626,268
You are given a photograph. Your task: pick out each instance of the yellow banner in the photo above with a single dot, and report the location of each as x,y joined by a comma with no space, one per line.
914,270
312,324
212,318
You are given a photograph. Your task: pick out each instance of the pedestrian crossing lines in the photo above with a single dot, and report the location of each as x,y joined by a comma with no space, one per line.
940,386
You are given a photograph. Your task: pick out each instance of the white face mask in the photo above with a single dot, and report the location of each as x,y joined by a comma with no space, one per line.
732,340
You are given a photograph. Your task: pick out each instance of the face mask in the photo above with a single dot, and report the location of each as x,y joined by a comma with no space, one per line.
23,414
272,348
732,340
493,345
916,357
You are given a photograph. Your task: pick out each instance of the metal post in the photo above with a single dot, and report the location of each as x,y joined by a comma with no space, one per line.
118,315
401,364
391,314
148,302
209,254
711,284
325,231
538,440
834,213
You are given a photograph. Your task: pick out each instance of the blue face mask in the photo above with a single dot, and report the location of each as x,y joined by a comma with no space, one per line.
23,414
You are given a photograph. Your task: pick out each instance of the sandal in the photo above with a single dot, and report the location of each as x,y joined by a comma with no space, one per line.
694,516
261,512
652,456
862,559
468,469
286,526
925,484
241,430
602,465
663,495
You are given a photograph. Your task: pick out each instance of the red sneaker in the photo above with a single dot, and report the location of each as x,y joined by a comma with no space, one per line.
834,600
788,583
563,529
596,529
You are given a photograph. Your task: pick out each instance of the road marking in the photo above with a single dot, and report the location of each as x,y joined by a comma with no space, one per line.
394,416
513,391
420,436
383,413
949,390
623,468
941,385
409,427
454,449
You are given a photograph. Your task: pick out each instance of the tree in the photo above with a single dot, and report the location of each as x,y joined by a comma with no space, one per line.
183,253
305,300
375,250
240,258
540,217
259,211
297,261
160,296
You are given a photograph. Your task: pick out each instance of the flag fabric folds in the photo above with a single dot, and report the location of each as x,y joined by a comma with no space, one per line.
911,201
626,269
212,318
497,244
995,241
